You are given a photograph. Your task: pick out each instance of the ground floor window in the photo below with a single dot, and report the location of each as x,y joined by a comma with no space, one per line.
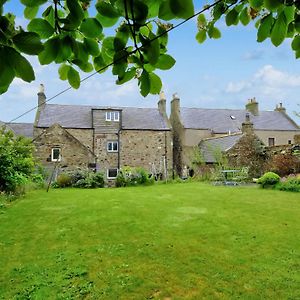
112,173
55,154
271,141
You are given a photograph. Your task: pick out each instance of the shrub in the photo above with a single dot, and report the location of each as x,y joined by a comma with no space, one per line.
291,184
128,176
283,164
64,180
16,161
88,180
269,179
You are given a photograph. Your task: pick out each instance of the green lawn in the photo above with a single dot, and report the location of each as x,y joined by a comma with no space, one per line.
178,241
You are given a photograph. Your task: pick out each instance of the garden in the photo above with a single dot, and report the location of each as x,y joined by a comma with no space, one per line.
165,241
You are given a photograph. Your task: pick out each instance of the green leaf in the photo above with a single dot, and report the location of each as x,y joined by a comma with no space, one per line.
165,12
30,12
289,12
182,8
297,54
28,42
21,65
155,84
32,3
265,27
257,4
65,49
73,78
279,30
100,64
165,62
107,10
272,5
75,9
7,73
201,36
50,51
214,32
201,21
145,84
152,50
63,71
296,43
232,17
218,10
127,76
49,15
91,46
106,21
91,28
41,27
245,16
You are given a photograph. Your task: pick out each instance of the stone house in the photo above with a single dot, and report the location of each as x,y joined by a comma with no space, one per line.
191,125
243,149
103,138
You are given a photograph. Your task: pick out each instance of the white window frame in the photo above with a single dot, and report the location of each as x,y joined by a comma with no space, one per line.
112,116
112,146
107,173
52,154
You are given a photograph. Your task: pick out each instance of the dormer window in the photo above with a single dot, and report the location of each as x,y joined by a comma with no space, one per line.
112,116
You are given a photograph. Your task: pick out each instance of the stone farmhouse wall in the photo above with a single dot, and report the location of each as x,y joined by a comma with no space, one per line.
74,154
147,149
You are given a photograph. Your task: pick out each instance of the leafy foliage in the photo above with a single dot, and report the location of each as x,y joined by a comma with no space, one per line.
128,176
269,179
16,161
67,32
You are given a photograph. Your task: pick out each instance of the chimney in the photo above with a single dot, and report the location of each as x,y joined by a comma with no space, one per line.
41,97
41,103
247,126
252,107
175,105
280,108
162,104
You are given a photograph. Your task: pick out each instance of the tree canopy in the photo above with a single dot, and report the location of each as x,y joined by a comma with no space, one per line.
71,33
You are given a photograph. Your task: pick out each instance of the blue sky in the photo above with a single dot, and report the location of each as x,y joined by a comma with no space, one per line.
221,73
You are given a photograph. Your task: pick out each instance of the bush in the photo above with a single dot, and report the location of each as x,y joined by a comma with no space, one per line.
269,179
16,161
284,164
291,184
89,180
64,180
128,176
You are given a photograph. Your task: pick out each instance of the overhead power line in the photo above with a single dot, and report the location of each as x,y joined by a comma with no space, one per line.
207,7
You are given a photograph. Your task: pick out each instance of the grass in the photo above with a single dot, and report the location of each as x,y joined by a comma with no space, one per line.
180,241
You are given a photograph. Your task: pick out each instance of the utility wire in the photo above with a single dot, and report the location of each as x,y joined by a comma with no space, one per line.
207,7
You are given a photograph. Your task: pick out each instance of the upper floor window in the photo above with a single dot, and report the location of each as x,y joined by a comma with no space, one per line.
289,142
112,146
55,154
271,141
112,116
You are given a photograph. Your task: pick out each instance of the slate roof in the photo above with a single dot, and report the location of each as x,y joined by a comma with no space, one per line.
80,116
21,129
209,146
225,120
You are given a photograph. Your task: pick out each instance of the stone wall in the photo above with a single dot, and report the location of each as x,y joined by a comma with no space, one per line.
146,149
85,136
74,155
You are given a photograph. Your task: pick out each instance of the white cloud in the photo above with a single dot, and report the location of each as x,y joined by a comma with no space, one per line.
267,80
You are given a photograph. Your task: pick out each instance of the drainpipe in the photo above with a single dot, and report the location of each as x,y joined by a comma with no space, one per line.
119,145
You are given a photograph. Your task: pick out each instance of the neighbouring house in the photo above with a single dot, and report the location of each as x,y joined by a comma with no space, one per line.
20,129
238,150
103,138
192,125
